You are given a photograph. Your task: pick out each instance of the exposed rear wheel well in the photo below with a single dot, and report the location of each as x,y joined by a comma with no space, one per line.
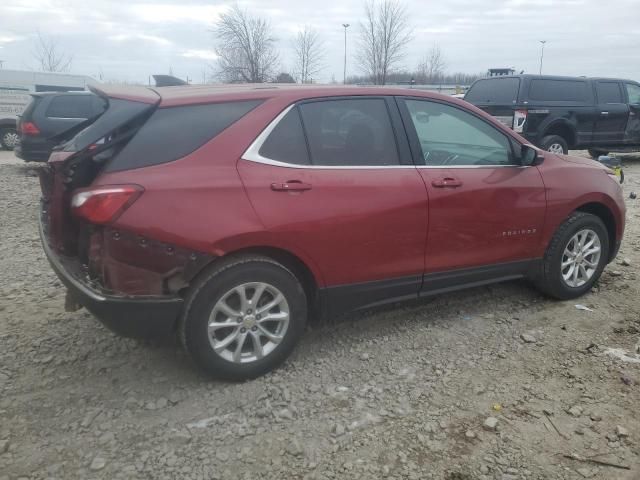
602,212
563,130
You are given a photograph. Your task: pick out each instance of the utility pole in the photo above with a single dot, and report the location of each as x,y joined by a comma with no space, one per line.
344,74
542,42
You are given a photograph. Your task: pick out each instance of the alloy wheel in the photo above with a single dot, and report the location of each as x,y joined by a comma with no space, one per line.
556,148
248,322
10,139
581,258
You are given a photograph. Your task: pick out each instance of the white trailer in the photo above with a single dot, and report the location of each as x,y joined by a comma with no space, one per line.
15,89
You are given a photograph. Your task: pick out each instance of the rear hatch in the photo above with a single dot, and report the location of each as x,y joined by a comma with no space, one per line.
497,96
77,162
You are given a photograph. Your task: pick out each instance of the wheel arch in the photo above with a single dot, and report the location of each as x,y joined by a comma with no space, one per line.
603,212
310,281
8,122
563,129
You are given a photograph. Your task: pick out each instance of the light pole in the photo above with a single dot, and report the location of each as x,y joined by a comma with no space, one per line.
344,74
542,54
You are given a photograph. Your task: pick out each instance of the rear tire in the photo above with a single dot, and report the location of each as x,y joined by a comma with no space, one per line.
595,153
558,259
251,345
555,144
8,138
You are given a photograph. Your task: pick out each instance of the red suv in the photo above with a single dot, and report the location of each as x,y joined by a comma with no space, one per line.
229,214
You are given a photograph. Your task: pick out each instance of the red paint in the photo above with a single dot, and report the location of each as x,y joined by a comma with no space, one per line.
470,223
349,225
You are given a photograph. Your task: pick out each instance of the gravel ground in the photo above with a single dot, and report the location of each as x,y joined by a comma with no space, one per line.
496,382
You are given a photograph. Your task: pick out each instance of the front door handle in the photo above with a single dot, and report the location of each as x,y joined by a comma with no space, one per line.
604,113
291,186
446,182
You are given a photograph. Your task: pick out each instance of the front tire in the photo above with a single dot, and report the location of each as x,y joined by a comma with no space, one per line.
595,154
8,138
555,144
243,318
575,258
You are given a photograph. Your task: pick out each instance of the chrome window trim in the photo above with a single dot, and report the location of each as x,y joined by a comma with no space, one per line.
69,118
252,154
472,166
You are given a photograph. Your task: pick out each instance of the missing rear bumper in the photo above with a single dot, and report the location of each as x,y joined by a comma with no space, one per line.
130,316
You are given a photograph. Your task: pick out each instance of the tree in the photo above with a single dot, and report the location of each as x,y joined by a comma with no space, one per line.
246,47
384,36
432,66
49,57
284,77
308,54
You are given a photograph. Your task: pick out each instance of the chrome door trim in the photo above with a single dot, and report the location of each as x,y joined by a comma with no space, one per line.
252,154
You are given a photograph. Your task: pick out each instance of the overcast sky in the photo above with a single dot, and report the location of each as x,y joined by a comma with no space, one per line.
131,39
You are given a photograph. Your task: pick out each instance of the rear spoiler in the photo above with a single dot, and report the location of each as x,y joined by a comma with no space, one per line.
123,92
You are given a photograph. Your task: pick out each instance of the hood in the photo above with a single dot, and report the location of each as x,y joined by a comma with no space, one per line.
583,161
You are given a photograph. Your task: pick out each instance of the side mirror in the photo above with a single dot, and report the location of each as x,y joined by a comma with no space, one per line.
530,157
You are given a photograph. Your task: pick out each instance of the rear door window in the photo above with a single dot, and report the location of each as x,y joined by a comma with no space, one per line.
349,132
608,92
546,90
501,91
70,106
286,143
174,132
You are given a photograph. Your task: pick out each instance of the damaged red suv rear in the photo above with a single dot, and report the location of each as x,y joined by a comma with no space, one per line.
229,214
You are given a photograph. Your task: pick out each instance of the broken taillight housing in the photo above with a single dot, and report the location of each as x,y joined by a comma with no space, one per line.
104,204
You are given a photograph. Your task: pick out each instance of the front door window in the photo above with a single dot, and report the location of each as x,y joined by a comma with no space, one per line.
450,136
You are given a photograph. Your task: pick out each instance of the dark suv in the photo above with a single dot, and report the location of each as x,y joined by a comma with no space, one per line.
51,118
559,113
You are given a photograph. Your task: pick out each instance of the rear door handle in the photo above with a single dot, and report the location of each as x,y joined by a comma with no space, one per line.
291,186
446,182
604,113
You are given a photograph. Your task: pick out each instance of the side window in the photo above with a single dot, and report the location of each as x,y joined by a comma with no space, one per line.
349,132
70,106
608,92
495,90
286,143
451,136
193,125
559,90
633,91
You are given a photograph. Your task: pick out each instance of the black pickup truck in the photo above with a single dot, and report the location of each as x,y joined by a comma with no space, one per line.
559,113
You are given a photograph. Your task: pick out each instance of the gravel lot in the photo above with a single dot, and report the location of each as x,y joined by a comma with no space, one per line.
492,383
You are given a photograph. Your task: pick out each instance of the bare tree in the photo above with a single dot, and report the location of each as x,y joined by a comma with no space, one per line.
432,66
49,56
384,36
308,54
246,47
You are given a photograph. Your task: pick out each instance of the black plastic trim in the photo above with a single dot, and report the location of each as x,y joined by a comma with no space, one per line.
346,298
434,283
